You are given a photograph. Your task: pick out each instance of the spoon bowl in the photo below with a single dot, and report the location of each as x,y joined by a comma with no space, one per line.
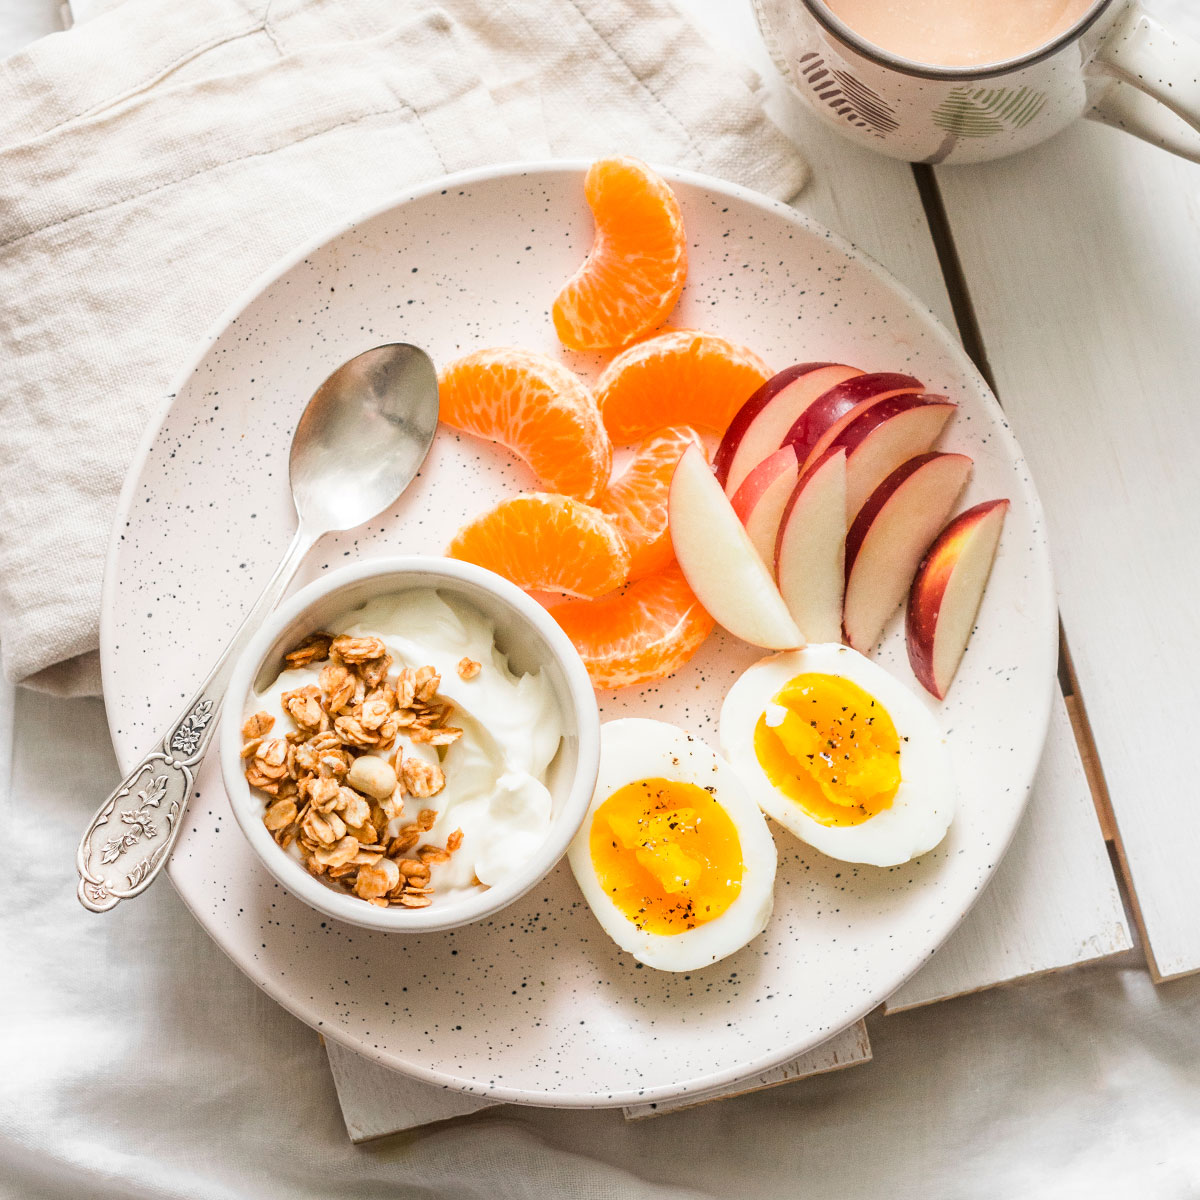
363,436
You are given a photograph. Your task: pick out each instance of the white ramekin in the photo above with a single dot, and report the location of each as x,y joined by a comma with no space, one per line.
524,631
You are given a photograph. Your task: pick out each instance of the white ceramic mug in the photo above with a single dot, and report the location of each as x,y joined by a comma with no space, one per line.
1116,64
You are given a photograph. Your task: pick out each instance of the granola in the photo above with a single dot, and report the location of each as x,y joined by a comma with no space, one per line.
334,785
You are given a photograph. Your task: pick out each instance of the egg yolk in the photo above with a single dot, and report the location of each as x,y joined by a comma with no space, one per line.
666,854
826,744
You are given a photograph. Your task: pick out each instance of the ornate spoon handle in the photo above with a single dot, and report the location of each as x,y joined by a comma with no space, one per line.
132,834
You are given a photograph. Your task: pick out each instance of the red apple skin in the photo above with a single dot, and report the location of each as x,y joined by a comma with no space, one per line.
816,427
760,501
856,534
861,526
795,496
863,425
762,477
853,434
929,588
745,417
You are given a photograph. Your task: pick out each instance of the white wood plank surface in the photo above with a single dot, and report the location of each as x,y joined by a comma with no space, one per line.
1054,897
1082,261
377,1101
850,1048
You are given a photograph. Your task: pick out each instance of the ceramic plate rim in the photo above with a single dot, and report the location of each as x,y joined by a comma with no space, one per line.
1046,658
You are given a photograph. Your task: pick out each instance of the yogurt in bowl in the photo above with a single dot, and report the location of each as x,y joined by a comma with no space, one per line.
410,743
491,808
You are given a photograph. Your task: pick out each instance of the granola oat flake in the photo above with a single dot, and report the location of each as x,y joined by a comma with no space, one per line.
397,754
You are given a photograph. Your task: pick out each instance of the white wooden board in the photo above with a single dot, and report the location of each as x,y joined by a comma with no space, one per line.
850,1048
377,1101
1081,257
1053,901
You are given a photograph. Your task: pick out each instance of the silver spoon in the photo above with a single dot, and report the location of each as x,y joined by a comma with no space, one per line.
359,442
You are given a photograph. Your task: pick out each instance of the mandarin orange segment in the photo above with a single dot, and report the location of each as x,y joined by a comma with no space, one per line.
546,542
635,270
637,501
646,631
534,406
679,377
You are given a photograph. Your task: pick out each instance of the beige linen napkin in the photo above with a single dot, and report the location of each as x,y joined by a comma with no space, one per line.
159,158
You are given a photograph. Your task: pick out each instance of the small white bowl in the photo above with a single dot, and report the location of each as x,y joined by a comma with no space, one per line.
524,631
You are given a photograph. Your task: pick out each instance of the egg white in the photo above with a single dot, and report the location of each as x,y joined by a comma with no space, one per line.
924,805
634,749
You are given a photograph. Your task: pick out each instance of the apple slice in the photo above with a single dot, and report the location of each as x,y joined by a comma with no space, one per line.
885,435
810,549
719,560
947,592
760,425
822,421
760,501
891,534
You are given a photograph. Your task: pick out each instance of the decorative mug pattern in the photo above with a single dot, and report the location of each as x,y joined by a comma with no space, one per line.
1103,68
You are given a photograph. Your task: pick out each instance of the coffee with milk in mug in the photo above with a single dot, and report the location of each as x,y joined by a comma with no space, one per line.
959,33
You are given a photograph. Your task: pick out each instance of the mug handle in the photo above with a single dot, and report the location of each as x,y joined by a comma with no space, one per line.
1156,90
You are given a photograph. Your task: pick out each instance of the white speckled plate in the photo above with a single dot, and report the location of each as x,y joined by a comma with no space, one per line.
538,1005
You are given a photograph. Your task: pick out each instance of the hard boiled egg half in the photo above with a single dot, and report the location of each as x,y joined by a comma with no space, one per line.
840,754
674,857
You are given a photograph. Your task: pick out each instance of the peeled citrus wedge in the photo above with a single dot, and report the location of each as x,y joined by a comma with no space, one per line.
635,270
679,377
647,630
545,542
535,407
637,501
